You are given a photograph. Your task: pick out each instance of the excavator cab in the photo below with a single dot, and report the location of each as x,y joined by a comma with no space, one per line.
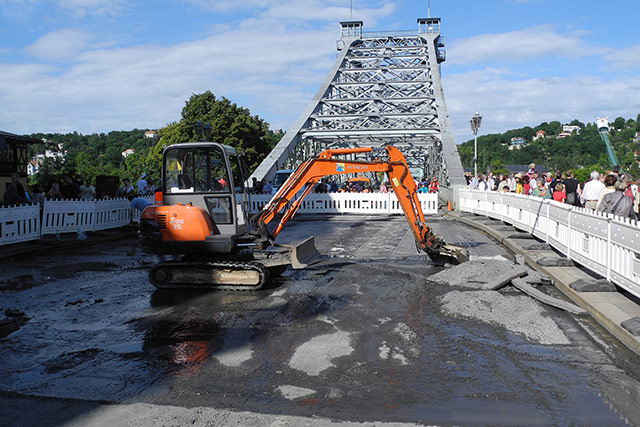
204,201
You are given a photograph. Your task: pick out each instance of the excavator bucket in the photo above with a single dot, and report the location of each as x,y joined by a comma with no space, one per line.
459,253
303,253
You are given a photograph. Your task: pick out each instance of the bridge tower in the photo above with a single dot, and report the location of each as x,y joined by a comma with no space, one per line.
384,88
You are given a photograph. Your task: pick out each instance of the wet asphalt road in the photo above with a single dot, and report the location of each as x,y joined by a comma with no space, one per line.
359,336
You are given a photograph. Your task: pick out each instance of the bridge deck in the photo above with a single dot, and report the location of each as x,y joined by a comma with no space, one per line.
364,335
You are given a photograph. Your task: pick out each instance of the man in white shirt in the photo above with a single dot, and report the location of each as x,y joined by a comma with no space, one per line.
491,182
591,191
87,191
143,189
511,183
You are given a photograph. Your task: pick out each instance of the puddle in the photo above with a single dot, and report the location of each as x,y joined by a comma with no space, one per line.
70,360
68,270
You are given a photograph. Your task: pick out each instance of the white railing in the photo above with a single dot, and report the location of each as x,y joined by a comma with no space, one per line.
20,224
24,223
352,203
605,244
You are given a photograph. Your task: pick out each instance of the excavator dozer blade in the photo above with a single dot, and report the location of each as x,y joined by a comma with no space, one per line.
303,253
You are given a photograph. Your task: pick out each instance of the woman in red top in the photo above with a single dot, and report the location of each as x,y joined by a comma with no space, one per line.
526,186
433,186
558,194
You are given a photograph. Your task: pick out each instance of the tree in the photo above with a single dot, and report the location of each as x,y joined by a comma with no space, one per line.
230,124
619,123
497,167
576,122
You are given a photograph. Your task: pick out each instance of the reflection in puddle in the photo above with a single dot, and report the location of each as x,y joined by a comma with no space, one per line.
189,355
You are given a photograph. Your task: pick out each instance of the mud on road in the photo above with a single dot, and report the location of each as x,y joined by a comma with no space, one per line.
363,335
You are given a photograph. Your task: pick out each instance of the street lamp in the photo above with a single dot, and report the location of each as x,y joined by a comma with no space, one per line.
199,128
203,131
475,125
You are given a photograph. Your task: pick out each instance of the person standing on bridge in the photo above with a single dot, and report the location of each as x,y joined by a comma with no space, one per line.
267,188
526,186
434,186
511,183
15,179
609,187
12,198
541,190
558,193
616,202
519,187
591,191
143,187
572,189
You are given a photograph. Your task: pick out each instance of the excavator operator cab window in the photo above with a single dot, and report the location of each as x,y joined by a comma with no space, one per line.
195,170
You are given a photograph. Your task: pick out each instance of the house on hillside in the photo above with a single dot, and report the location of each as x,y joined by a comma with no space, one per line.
539,135
129,151
570,129
33,167
517,142
150,134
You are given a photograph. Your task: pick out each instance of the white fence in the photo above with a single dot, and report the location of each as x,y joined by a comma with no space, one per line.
24,223
352,203
605,244
20,224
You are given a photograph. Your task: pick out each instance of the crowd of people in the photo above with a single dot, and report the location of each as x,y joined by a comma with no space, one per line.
70,189
354,185
611,193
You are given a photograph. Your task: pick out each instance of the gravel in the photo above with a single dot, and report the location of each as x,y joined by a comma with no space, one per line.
518,314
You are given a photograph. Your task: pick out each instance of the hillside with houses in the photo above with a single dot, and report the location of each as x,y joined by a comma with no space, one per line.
555,145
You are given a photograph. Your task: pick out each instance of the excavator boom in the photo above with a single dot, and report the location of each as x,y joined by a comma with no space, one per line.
301,182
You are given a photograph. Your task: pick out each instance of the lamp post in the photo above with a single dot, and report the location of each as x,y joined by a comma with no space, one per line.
475,125
199,128
203,131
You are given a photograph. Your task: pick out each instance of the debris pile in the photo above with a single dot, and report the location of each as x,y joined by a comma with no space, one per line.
477,296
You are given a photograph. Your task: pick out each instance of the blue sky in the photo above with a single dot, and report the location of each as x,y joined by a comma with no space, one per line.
102,65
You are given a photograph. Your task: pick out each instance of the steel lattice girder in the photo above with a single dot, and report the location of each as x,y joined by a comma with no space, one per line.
381,90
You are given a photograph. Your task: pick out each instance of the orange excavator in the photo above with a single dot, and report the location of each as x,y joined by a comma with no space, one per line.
203,216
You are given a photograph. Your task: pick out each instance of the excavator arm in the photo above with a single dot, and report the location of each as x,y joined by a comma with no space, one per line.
301,182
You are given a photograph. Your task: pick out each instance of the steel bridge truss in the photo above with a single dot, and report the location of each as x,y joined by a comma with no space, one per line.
384,89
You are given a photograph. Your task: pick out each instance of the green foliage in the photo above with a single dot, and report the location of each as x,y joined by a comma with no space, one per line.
497,167
231,125
584,150
88,156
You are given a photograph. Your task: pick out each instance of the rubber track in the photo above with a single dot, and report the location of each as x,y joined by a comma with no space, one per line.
228,265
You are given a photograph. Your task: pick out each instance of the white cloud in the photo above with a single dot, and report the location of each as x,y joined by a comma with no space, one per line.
260,64
227,6
311,10
94,7
270,63
273,63
526,44
64,44
508,103
302,11
624,58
